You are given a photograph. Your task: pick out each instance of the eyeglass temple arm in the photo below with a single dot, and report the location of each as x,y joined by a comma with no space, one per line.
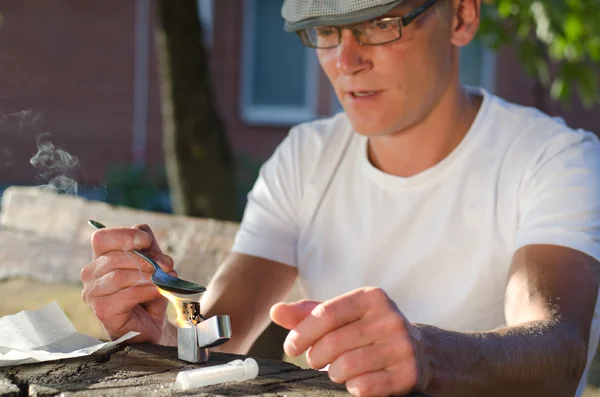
413,15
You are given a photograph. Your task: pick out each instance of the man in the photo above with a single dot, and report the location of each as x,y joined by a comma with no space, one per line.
449,239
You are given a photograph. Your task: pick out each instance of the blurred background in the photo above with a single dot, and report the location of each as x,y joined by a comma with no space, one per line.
173,106
85,77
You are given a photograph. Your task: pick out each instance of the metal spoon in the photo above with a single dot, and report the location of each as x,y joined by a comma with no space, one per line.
160,278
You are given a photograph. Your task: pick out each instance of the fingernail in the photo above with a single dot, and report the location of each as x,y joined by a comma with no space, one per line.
138,241
289,346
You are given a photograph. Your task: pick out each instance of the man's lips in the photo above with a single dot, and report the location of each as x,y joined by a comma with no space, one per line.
362,93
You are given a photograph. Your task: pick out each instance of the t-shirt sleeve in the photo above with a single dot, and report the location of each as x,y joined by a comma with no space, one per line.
559,199
269,227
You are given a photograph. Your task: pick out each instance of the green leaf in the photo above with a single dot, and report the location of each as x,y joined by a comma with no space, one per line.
593,48
573,26
568,34
560,89
557,49
588,86
524,30
504,8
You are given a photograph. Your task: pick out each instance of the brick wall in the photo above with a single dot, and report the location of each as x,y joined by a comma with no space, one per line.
513,84
72,62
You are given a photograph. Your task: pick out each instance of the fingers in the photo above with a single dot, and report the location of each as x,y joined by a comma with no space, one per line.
357,362
117,280
288,315
154,244
129,260
329,316
126,260
117,286
380,383
123,239
347,338
362,335
390,355
114,310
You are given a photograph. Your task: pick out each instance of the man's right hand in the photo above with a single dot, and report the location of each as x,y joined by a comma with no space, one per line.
117,286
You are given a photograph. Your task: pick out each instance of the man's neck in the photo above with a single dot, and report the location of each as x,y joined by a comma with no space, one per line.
428,141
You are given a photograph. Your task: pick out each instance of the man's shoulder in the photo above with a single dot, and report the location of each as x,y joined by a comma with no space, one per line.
526,138
528,129
529,121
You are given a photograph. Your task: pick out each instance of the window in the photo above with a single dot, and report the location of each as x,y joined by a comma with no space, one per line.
477,66
205,13
279,75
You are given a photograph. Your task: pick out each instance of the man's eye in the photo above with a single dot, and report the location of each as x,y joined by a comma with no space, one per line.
325,32
382,25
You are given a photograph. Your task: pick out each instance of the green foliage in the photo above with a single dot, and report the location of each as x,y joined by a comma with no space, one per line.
546,32
135,187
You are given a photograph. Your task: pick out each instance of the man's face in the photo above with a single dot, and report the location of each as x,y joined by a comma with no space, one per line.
387,88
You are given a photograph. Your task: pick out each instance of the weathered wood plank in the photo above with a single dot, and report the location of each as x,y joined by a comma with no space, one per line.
152,369
8,388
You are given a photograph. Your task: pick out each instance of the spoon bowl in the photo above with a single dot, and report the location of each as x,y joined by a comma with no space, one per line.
160,278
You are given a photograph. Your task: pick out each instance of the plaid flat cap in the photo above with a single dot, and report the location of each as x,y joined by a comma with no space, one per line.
300,14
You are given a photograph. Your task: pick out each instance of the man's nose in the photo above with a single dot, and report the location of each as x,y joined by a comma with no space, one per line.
350,59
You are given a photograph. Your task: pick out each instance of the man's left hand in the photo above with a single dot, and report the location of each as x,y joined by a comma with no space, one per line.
367,342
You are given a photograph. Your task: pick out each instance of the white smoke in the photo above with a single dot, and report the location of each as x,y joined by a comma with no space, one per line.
56,165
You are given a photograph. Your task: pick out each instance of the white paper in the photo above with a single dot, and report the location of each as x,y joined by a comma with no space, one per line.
45,335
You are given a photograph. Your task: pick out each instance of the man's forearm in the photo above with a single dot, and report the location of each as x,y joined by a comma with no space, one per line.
538,358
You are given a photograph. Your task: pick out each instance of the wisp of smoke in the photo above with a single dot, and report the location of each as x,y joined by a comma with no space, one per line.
56,165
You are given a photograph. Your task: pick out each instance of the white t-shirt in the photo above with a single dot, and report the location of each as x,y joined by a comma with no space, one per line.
440,243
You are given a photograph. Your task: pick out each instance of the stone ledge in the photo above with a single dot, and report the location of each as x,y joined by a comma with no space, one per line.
45,236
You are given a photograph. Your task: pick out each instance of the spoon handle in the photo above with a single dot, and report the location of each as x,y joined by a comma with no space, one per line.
97,225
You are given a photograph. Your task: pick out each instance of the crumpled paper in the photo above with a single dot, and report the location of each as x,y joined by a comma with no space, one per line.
45,335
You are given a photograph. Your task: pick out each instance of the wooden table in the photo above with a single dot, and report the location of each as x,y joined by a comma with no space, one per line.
150,370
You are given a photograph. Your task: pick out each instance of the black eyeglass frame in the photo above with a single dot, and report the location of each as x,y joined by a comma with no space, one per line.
404,21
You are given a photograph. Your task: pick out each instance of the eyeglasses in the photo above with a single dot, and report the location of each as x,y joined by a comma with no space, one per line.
375,32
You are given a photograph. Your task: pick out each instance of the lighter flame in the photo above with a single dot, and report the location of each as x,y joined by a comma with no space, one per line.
177,303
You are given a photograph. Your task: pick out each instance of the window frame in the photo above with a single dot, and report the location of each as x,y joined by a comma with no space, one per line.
273,114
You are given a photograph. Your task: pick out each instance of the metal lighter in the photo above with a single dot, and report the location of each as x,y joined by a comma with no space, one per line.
198,335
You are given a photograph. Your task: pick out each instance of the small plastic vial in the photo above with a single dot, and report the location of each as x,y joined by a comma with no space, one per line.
236,370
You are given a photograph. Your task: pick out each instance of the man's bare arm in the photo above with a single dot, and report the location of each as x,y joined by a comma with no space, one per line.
245,288
550,300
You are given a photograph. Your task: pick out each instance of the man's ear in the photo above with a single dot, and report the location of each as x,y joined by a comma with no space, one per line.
465,21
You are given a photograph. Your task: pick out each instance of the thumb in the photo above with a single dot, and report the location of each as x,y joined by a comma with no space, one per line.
288,315
154,245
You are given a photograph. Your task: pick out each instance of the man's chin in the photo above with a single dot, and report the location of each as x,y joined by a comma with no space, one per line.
365,125
368,130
